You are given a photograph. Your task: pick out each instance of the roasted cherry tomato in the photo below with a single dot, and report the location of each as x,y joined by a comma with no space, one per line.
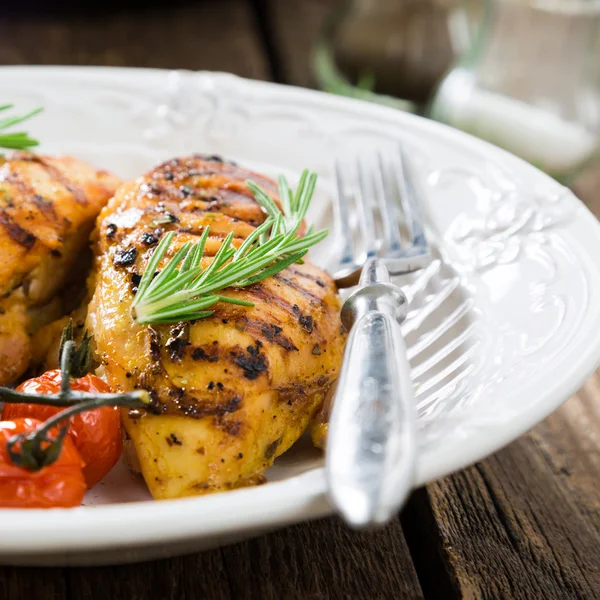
60,484
96,433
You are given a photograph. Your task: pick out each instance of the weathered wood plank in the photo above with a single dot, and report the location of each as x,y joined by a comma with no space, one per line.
323,560
524,523
217,36
319,560
25,583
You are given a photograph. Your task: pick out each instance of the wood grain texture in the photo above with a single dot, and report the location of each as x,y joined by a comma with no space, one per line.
217,35
24,583
524,523
315,561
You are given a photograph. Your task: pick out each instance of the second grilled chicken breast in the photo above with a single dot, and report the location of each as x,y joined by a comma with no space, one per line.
48,207
231,391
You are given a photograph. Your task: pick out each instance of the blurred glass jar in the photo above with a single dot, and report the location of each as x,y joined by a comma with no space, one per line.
530,82
391,51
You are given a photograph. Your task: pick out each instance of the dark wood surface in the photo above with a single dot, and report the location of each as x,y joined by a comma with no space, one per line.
524,523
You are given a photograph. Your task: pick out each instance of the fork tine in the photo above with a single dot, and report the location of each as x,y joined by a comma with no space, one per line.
409,202
389,214
376,197
342,219
364,201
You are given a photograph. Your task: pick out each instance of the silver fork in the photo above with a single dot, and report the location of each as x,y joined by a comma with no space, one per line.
371,441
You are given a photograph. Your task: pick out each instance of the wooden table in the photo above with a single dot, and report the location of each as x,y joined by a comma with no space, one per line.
522,524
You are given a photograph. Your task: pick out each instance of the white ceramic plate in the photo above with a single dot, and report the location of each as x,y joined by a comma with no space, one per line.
503,327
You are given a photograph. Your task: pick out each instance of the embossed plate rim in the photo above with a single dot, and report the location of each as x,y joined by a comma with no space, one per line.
136,530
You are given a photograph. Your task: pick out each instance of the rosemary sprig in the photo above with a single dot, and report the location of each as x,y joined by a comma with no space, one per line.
19,140
184,291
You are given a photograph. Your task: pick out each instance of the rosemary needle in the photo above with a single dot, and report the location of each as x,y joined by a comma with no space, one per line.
19,140
184,291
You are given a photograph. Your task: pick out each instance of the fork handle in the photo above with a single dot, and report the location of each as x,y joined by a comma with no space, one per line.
371,440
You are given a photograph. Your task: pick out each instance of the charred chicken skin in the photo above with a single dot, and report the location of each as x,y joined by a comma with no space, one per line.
48,207
231,391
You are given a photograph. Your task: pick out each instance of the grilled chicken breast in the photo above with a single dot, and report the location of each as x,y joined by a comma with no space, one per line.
48,207
231,391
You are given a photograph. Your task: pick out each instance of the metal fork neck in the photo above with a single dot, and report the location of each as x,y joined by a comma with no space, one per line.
374,271
375,297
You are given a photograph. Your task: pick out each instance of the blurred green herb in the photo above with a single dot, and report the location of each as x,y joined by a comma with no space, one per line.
18,140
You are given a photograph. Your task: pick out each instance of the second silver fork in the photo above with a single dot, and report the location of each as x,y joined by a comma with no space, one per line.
371,441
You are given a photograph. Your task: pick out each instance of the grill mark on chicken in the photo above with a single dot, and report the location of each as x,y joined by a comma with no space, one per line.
45,207
306,321
252,362
295,392
44,233
176,344
308,276
212,200
30,196
262,294
154,344
247,375
272,448
16,232
265,331
214,158
200,353
215,236
181,403
55,174
296,286
184,169
212,206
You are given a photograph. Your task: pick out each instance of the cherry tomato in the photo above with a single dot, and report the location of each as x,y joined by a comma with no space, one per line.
96,433
60,484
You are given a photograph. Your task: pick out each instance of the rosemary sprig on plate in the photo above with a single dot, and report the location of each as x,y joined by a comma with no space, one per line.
184,291
18,140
